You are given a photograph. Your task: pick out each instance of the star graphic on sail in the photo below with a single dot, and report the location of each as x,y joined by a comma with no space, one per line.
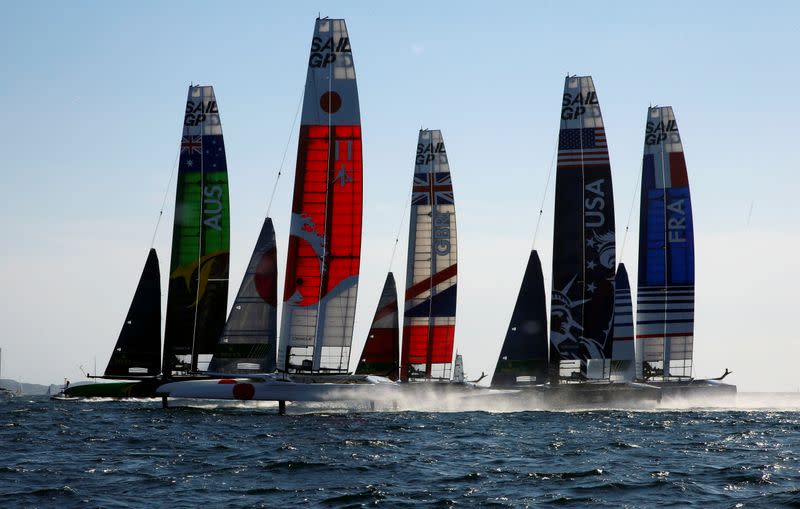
343,177
590,242
591,265
591,287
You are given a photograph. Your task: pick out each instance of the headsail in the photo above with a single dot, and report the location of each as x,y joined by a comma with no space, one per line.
622,359
523,357
582,305
430,300
665,299
249,341
325,236
138,349
198,282
381,355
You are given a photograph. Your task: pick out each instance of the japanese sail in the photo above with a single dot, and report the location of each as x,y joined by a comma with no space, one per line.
523,357
138,349
582,301
622,359
381,355
431,274
665,298
249,340
198,281
325,234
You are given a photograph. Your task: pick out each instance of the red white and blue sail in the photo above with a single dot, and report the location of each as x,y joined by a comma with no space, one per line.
325,235
431,274
665,298
623,356
582,302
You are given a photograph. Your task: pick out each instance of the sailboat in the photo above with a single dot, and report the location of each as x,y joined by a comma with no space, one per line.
665,294
524,356
324,249
431,274
582,297
381,354
198,282
5,392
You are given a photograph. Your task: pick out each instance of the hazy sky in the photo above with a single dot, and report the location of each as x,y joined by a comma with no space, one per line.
93,95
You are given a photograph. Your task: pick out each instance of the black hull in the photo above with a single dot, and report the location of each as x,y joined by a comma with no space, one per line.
600,394
713,390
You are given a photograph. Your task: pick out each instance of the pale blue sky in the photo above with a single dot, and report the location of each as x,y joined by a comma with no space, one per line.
93,95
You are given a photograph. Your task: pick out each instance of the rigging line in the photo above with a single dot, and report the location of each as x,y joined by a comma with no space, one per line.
285,151
164,201
636,191
400,228
546,188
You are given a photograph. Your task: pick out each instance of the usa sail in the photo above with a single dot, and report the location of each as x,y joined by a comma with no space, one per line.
431,274
249,341
665,298
137,352
198,282
623,366
582,301
381,355
523,357
325,235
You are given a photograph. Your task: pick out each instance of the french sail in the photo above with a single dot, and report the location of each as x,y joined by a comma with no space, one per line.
198,281
431,274
665,298
381,354
523,356
249,340
324,251
623,356
582,300
138,349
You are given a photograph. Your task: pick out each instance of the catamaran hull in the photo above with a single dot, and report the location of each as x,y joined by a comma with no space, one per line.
127,389
278,390
622,395
711,391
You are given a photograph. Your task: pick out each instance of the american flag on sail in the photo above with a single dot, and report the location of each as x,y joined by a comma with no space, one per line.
582,147
426,191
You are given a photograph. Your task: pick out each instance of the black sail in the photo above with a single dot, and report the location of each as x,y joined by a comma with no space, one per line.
523,357
249,341
582,305
138,349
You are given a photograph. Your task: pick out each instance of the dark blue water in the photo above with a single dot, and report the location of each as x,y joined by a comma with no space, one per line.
134,454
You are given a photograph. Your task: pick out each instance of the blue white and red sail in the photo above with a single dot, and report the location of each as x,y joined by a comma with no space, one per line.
325,234
431,274
665,298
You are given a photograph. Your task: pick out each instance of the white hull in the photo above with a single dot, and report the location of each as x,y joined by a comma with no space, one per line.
367,389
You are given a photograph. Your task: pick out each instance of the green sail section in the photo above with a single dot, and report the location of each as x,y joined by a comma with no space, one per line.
198,277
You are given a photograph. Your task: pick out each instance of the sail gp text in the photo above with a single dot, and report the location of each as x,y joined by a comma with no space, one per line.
323,53
658,132
573,106
196,113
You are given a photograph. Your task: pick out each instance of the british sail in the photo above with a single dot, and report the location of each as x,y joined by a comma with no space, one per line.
665,298
325,234
198,281
431,274
582,301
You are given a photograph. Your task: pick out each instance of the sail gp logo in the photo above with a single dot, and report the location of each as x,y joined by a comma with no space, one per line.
196,113
323,51
427,151
574,105
656,132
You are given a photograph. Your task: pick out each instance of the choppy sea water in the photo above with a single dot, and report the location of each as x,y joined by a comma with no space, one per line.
136,454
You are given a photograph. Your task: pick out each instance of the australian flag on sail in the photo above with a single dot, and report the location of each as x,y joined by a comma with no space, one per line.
582,147
439,192
206,153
